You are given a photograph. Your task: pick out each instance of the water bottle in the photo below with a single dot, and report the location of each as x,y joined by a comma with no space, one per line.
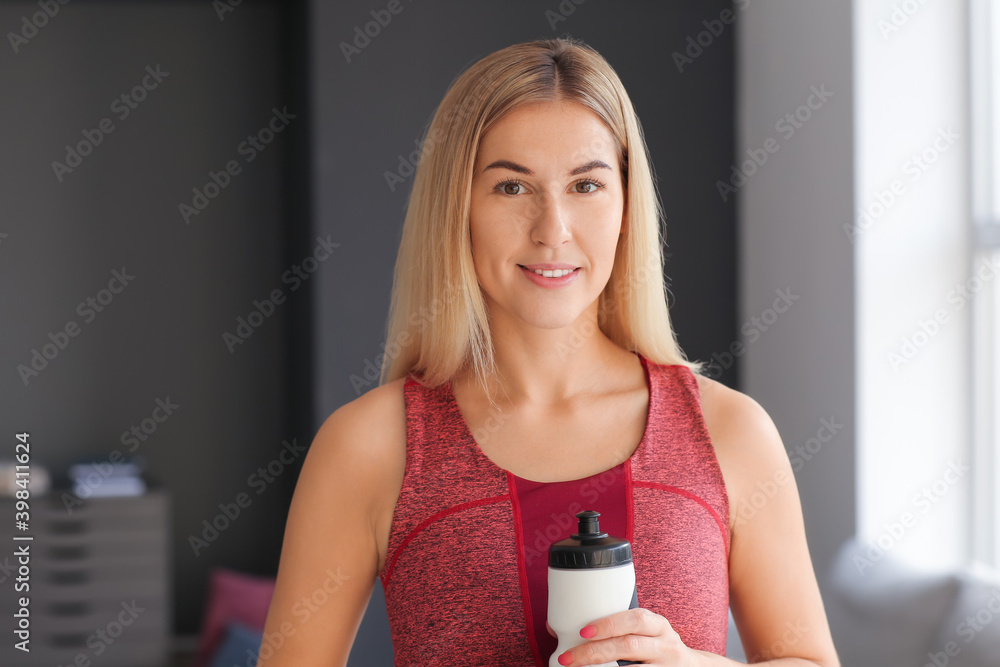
590,576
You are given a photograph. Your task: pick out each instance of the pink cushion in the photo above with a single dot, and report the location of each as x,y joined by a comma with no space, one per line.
232,596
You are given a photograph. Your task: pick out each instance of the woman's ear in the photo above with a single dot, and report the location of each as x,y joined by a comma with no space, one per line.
621,230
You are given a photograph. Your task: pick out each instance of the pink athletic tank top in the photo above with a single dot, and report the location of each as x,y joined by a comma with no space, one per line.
466,574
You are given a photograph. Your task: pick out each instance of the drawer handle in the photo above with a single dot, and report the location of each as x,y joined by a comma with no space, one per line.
69,577
68,527
68,553
69,608
68,640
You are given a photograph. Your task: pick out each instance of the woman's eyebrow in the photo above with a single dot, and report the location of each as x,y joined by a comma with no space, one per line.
521,169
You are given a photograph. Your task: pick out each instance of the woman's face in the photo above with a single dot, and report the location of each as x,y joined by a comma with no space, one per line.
547,190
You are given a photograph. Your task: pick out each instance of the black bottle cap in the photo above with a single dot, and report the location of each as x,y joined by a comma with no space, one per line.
589,547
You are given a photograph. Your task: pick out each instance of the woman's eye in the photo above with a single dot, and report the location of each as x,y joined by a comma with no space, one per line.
508,187
514,187
592,185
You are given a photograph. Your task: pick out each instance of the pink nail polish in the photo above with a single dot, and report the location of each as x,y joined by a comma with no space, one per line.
566,658
588,631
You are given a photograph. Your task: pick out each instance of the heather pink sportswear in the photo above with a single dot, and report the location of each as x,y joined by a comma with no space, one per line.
465,578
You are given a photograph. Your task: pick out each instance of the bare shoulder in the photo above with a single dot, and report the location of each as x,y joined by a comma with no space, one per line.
375,418
746,441
365,440
733,417
368,435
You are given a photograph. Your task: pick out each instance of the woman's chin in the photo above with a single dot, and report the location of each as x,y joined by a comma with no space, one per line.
564,319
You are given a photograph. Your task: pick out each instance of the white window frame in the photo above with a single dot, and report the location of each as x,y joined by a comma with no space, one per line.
984,67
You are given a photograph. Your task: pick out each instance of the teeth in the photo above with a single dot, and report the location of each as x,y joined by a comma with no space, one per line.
554,273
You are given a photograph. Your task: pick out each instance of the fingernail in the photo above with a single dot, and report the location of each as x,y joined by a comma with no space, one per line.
566,658
588,631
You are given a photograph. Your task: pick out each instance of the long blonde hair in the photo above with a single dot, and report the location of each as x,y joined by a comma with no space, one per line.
438,321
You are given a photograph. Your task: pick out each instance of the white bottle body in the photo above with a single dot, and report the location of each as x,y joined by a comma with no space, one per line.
579,596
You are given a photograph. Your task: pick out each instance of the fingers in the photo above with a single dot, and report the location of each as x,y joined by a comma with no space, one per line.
638,621
637,634
628,647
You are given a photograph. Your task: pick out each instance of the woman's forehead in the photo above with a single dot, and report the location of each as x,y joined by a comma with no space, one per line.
550,135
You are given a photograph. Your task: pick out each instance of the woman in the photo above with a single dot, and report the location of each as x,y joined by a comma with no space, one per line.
531,373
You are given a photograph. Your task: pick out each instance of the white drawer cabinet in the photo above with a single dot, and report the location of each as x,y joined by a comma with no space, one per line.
100,582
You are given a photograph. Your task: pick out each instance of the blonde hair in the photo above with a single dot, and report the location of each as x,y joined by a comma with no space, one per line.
438,321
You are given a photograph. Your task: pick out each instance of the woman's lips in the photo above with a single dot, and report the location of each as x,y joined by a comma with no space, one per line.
542,281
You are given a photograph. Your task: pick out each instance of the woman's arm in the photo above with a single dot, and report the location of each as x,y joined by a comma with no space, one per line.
330,555
773,591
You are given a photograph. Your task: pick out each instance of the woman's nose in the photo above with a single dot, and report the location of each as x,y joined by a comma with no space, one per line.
550,223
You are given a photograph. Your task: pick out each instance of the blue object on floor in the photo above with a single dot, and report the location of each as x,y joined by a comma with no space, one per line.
239,648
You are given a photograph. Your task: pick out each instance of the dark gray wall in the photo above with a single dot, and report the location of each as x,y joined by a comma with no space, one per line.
161,337
372,109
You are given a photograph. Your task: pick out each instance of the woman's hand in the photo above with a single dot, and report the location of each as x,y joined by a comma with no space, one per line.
638,635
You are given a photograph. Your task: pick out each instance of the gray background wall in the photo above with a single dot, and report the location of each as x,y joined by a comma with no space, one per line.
161,337
791,212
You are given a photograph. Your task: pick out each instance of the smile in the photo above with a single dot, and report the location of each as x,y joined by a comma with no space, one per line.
555,273
550,277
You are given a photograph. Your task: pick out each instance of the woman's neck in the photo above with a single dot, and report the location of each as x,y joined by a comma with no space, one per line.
550,367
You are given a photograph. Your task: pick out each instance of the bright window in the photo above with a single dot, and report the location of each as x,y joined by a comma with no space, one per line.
921,498
984,273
